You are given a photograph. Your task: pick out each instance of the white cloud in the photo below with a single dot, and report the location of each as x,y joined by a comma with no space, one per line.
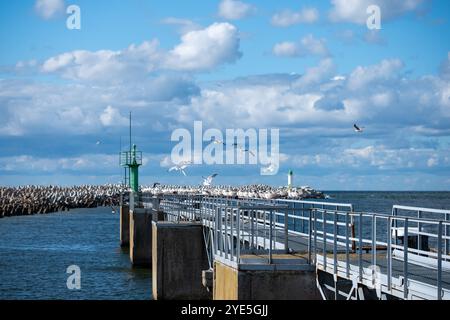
286,49
105,65
363,76
355,10
112,117
48,9
308,45
205,49
86,162
199,50
287,18
234,9
185,25
315,75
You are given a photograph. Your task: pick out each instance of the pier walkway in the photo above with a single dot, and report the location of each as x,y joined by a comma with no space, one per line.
355,255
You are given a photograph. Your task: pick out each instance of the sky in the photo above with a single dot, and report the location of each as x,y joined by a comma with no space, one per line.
311,69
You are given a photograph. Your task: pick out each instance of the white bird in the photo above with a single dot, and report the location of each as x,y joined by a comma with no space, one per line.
208,180
180,167
269,169
358,129
98,143
242,149
217,141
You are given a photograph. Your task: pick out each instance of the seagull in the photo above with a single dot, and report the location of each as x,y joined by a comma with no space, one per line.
208,180
216,141
358,129
269,169
238,146
98,143
180,167
156,184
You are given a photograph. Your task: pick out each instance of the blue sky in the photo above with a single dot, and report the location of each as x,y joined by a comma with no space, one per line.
309,68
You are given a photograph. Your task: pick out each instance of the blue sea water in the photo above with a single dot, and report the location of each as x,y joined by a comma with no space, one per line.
35,251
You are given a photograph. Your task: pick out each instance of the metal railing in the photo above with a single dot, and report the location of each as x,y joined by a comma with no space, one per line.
404,253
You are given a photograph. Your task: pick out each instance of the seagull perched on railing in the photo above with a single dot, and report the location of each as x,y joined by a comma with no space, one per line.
180,167
358,129
208,180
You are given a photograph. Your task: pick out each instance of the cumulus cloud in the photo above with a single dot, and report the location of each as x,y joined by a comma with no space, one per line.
354,11
136,61
112,117
288,18
199,50
205,49
234,9
364,76
48,9
308,45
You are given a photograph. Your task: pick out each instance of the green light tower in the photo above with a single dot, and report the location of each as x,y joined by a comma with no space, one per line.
132,160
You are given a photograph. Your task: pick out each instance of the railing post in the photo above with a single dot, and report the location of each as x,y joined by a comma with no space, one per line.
360,263
335,244
347,244
286,231
270,236
439,262
389,254
232,234
309,236
238,234
374,241
324,236
447,233
315,235
226,233
405,259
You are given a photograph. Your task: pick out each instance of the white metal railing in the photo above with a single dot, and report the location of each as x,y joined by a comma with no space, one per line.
333,236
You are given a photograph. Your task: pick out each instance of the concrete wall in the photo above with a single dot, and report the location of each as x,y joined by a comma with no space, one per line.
231,284
179,256
141,237
124,225
225,282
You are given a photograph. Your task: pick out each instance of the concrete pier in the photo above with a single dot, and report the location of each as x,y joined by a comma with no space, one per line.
263,282
141,237
124,225
179,256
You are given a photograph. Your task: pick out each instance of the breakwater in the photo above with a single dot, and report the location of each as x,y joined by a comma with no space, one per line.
257,191
29,200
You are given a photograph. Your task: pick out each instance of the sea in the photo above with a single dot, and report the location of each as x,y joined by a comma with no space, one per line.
36,252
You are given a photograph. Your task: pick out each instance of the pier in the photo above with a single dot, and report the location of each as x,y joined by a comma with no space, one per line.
230,249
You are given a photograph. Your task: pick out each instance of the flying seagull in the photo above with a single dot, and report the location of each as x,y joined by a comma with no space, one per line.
208,180
242,149
358,129
216,141
269,169
180,167
98,143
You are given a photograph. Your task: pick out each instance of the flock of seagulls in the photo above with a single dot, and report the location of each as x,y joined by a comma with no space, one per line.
259,191
28,200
